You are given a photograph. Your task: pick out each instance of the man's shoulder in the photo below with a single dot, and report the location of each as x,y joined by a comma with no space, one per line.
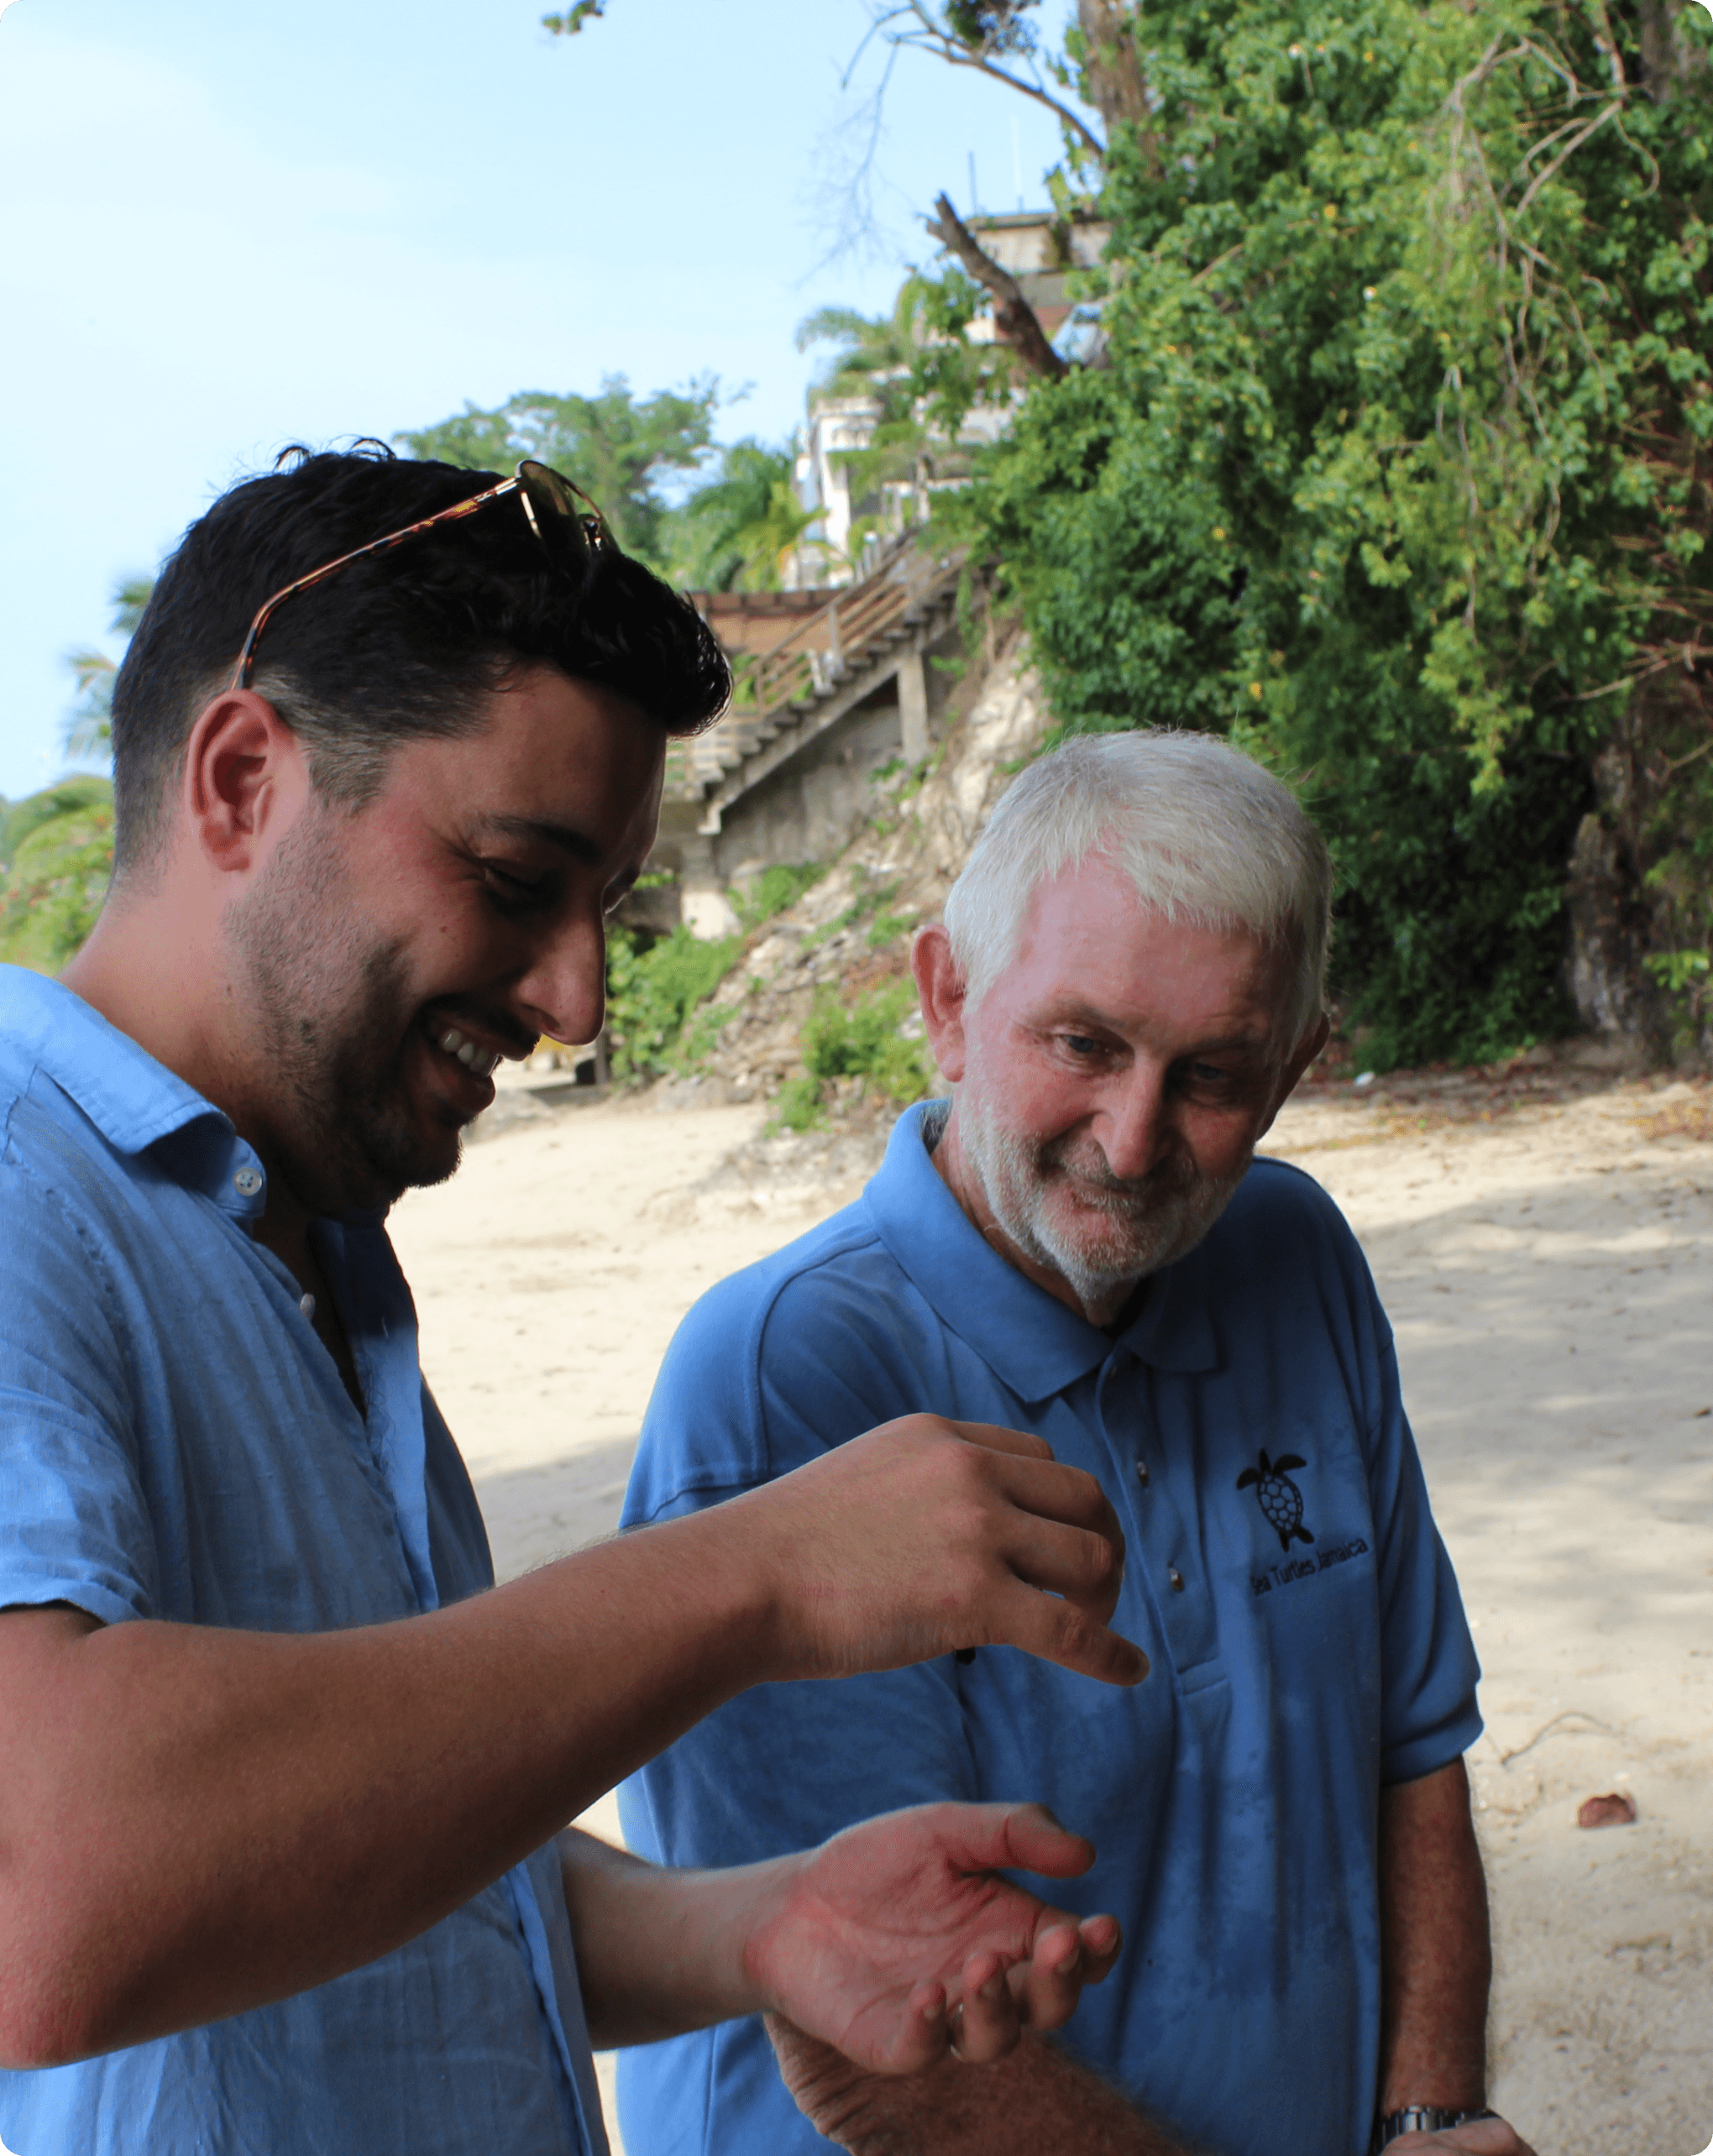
787,1357
1279,1206
843,1252
1280,1234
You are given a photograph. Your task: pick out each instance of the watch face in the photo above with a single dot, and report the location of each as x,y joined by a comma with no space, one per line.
1424,2118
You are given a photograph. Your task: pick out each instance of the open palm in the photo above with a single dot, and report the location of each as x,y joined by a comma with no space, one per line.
899,1936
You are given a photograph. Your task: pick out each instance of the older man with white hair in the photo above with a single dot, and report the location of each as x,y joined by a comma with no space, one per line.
1127,986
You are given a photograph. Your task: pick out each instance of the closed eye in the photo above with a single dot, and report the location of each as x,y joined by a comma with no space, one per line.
512,893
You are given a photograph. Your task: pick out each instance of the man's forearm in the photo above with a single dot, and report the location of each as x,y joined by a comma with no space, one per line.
658,1951
1435,1954
195,1821
1036,2102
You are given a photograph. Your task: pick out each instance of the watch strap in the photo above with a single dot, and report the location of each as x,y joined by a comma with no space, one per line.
1422,2118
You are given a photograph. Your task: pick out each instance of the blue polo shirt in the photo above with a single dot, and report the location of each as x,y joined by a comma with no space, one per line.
1307,1640
176,1443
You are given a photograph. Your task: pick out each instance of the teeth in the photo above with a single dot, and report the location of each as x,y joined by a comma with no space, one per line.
479,1061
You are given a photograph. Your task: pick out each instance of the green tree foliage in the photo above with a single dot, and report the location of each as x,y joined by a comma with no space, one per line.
93,669
918,367
56,853
616,447
990,26
56,847
90,734
572,21
1397,468
734,529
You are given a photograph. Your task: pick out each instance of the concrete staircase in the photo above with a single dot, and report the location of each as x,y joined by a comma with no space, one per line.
824,665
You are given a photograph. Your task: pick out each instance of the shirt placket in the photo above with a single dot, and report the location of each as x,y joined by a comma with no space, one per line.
1163,1551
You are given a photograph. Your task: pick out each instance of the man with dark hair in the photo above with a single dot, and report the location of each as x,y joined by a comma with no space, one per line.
283,1855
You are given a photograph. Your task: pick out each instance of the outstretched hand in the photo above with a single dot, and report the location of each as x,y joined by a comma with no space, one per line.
898,1940
926,1536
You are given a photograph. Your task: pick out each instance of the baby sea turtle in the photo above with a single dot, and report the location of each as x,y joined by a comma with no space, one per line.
1278,1498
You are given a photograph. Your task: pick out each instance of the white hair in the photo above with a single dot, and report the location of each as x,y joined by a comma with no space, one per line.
1203,833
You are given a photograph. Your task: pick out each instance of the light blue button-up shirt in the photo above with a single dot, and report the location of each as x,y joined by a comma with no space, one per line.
1283,1575
176,1443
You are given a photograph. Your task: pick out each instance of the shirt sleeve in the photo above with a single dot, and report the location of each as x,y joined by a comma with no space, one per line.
1429,1672
781,1766
74,1523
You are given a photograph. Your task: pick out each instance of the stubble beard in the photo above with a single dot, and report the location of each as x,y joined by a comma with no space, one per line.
1065,1210
332,1018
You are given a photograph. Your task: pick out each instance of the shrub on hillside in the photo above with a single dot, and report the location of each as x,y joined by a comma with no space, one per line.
861,1040
653,995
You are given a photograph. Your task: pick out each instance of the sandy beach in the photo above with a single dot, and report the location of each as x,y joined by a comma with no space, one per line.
1546,1253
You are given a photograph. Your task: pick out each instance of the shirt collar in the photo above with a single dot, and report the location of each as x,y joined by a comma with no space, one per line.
1036,1345
134,1101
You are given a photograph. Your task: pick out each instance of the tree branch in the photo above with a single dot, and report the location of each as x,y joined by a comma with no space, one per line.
930,37
1015,321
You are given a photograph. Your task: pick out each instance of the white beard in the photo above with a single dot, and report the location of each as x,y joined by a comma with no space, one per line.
1064,1208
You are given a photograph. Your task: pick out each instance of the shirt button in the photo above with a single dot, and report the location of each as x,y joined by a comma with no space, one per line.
247,1182
1176,1578
307,1304
1142,1473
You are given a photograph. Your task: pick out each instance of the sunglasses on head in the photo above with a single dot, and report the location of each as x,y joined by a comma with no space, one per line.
571,537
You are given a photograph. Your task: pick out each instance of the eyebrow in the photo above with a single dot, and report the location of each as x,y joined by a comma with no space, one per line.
1232,1043
565,836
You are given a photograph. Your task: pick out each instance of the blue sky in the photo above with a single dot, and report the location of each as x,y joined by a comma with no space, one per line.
224,228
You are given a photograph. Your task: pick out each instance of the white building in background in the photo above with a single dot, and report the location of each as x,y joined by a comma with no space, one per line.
1042,251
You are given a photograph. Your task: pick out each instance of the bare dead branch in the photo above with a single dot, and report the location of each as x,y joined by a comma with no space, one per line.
928,37
1015,321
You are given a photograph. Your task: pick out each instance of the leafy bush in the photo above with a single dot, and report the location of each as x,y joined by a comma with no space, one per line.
861,1040
797,1106
652,998
1396,472
774,889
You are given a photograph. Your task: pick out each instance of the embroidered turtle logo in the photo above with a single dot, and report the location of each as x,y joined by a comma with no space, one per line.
1278,1498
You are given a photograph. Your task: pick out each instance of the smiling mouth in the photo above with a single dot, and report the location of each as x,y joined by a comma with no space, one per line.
479,1061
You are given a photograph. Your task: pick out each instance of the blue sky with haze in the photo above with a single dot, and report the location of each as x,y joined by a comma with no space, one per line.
224,228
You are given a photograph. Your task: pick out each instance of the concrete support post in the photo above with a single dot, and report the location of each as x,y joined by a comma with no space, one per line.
707,911
913,707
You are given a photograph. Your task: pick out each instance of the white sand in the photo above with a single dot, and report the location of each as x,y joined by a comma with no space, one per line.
1549,1276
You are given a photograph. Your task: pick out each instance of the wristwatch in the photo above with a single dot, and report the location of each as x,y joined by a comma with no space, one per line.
1420,2118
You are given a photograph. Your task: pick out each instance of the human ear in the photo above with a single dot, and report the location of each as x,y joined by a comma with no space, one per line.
940,987
245,779
1302,1056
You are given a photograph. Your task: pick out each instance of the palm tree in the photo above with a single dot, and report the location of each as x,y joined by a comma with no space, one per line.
921,374
89,732
735,531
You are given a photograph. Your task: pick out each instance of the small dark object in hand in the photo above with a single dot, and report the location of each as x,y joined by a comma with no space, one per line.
1616,1810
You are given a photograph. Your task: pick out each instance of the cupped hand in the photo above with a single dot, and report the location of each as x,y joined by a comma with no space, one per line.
926,1536
898,1939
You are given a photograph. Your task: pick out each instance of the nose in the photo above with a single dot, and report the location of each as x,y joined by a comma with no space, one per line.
1130,1126
564,992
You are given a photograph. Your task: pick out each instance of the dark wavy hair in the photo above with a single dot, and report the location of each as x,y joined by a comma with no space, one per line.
411,642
